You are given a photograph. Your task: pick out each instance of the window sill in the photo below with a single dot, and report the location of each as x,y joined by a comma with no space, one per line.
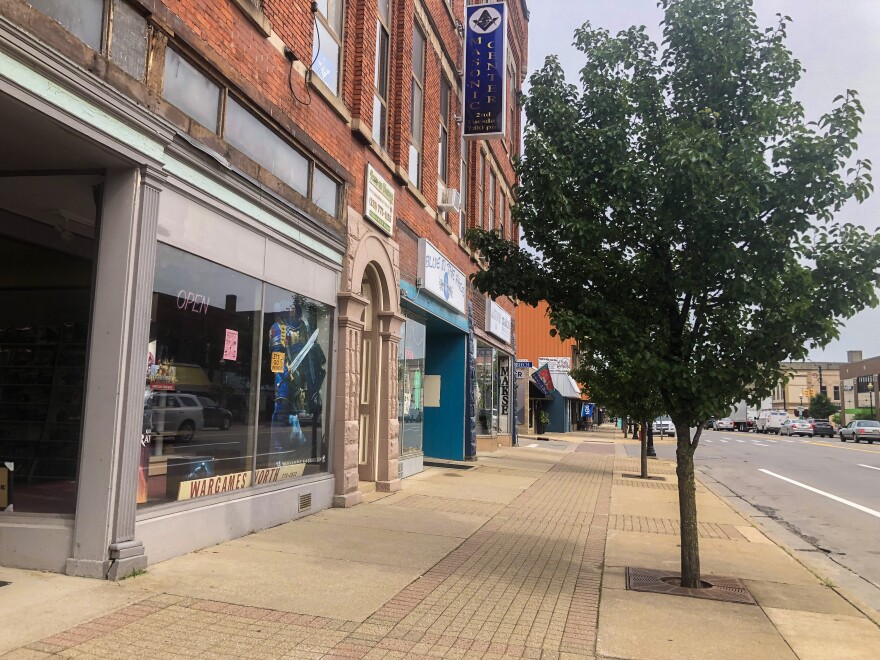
418,195
383,156
255,16
332,100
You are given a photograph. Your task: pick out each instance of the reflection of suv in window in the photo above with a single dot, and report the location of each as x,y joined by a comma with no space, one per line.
170,414
214,415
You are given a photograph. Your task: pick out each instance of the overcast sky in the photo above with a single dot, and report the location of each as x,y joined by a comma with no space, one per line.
836,42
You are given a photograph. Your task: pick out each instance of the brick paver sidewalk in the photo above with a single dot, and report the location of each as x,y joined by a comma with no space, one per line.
525,585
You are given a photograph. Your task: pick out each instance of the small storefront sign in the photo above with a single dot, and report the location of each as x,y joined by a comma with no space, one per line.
543,380
485,89
230,346
379,202
497,321
237,481
556,364
524,364
440,278
6,470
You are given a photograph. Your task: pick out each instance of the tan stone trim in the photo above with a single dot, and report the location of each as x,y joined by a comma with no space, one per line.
333,101
255,16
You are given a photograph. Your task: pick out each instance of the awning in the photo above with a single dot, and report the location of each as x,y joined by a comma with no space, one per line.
537,395
566,386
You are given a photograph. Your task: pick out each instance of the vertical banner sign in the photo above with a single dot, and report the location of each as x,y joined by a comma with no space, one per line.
485,89
470,384
504,393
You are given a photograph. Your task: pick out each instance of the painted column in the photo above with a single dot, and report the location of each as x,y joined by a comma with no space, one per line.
104,544
346,432
388,480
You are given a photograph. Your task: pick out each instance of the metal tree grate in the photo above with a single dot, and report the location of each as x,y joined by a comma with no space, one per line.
726,589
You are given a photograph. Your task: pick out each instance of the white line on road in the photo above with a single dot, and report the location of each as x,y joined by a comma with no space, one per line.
724,441
876,514
870,467
758,444
738,440
534,444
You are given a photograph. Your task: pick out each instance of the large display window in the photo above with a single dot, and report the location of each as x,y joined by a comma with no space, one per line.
410,382
487,390
235,383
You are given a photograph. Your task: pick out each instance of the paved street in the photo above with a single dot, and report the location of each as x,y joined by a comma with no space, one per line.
842,521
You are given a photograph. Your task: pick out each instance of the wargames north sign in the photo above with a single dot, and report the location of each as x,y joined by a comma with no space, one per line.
485,92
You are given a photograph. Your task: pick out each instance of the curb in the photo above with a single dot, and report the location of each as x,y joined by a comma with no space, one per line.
857,591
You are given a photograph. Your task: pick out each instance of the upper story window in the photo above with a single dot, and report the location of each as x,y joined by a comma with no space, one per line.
191,91
502,216
327,42
203,99
837,392
463,185
513,109
112,27
481,184
380,96
492,186
443,145
417,106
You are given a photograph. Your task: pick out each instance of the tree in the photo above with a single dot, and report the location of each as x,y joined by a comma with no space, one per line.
621,385
821,406
682,212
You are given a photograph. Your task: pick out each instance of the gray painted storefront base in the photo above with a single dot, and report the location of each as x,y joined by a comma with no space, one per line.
36,542
178,532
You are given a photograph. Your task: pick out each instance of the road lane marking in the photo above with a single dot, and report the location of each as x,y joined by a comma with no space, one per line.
724,441
725,437
534,444
840,446
865,509
758,444
870,467
738,440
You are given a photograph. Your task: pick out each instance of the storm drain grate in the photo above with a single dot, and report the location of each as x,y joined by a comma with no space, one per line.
726,589
305,502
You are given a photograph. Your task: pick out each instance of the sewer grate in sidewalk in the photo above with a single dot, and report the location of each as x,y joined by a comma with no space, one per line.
726,589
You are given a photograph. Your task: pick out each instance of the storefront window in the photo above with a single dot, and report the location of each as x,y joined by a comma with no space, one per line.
487,390
410,380
45,309
293,386
199,399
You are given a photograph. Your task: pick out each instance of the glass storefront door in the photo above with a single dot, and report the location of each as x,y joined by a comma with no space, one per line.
487,390
410,381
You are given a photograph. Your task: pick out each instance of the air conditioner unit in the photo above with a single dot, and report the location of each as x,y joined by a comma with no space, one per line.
450,200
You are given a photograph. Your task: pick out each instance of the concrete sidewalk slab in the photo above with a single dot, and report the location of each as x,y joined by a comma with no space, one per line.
656,627
739,559
633,500
803,597
816,636
256,577
371,545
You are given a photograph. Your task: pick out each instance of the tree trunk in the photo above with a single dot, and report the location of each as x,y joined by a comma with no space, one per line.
687,508
644,453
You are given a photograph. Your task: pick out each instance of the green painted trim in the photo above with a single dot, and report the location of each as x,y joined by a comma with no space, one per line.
63,99
224,194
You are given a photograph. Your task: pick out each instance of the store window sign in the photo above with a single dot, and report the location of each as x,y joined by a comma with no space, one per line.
485,92
524,364
379,202
230,346
556,364
440,278
497,321
190,301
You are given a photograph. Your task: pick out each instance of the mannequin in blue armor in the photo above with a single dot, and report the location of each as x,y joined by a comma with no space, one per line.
298,390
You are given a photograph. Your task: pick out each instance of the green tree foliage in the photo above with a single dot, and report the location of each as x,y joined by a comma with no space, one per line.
684,214
821,406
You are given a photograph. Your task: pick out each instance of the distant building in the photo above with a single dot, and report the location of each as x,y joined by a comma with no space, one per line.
861,379
805,380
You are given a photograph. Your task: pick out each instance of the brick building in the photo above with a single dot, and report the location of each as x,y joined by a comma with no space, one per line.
222,224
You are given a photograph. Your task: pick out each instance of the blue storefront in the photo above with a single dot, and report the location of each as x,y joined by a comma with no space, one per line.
433,361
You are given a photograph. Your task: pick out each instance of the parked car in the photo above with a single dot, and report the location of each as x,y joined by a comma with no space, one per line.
861,429
725,424
663,426
172,414
710,423
215,416
796,427
770,420
822,427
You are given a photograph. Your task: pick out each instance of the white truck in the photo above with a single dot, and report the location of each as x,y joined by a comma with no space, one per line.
744,416
770,421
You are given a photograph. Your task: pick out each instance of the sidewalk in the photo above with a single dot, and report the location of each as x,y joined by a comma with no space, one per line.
522,556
